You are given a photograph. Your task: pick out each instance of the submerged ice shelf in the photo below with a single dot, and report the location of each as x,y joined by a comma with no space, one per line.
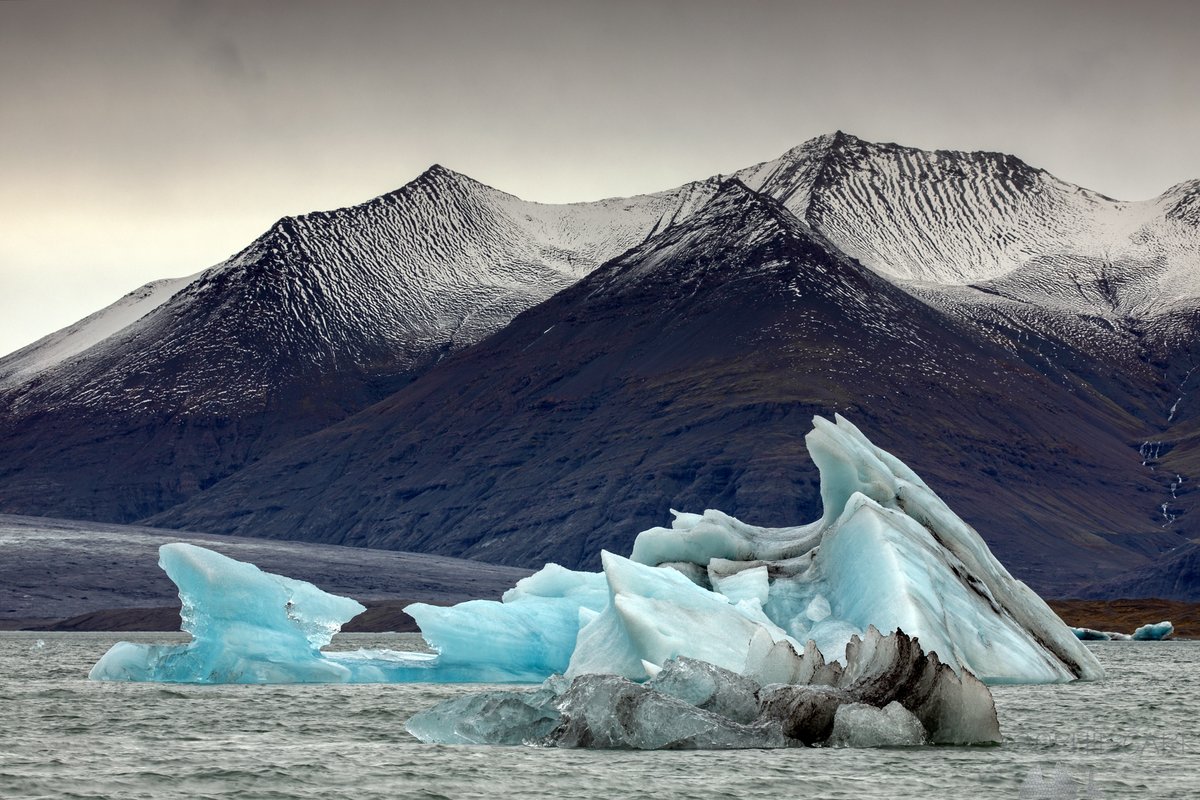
887,553
889,693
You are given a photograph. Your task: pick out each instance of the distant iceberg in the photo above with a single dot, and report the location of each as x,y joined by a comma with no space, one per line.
1152,632
1093,635
887,553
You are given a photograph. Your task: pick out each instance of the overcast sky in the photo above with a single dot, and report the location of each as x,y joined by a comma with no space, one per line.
153,139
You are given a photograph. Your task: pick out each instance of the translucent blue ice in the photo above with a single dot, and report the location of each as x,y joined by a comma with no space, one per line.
249,626
1155,631
886,552
528,635
1152,632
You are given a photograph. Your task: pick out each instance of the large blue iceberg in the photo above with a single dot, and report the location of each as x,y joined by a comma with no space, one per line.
886,553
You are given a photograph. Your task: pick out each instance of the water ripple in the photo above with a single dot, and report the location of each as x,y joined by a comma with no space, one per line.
62,736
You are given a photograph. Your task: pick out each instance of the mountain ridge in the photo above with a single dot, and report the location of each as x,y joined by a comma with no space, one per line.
317,318
676,374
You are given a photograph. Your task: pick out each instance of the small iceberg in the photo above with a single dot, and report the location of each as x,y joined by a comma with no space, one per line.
249,626
1152,632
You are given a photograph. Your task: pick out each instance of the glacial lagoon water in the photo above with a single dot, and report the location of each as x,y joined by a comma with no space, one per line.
61,736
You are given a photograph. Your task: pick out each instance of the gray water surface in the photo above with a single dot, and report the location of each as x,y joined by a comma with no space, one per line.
62,736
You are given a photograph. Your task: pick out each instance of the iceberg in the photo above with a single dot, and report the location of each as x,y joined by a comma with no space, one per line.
890,694
888,552
1151,632
861,725
249,626
1154,631
1093,635
502,718
886,555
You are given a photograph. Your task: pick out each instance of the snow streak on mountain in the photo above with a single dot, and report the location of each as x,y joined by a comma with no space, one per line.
949,218
183,382
378,288
453,369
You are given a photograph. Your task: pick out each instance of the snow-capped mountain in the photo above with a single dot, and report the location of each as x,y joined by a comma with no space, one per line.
967,303
953,218
1100,295
184,381
683,374
380,287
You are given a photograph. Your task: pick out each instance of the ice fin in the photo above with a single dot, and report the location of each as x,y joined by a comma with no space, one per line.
247,626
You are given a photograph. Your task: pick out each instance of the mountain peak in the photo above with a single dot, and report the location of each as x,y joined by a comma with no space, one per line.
438,178
430,180
840,138
734,204
439,172
734,228
827,142
1184,202
438,175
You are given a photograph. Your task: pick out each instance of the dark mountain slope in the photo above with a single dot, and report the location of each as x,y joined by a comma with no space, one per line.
1173,576
685,373
180,384
1096,294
